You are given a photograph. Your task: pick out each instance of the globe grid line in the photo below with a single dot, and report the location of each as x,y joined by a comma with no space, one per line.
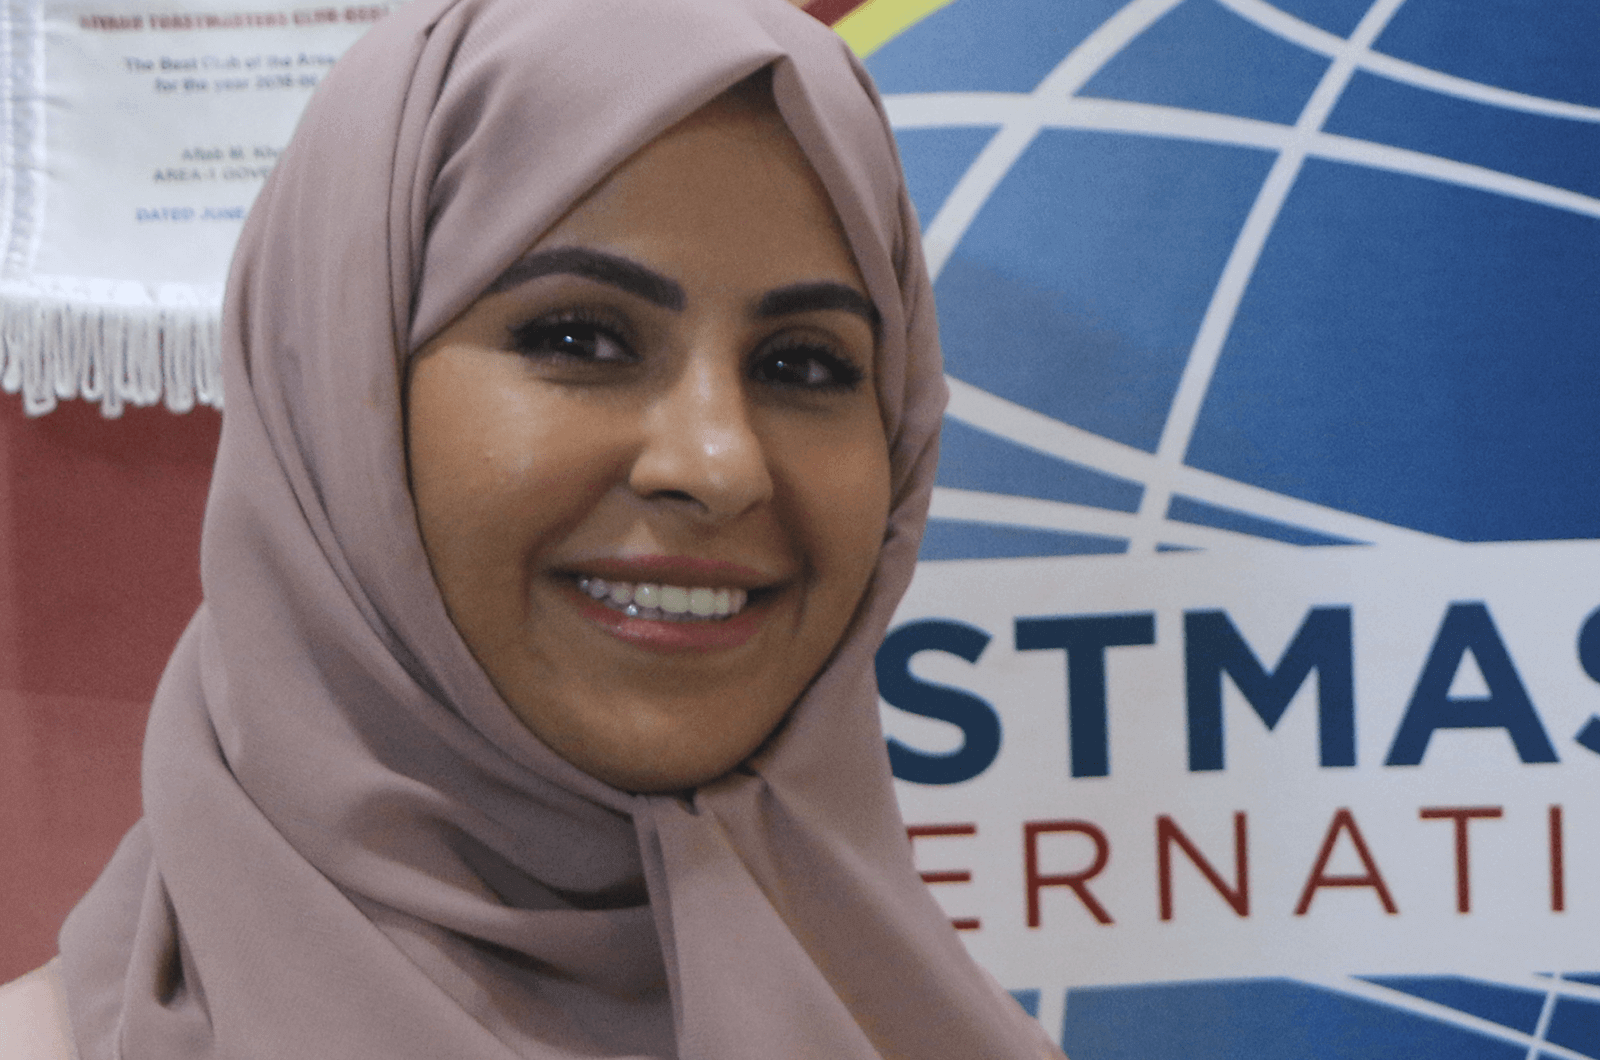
1296,31
1005,509
1024,116
1054,104
1554,982
1048,436
1553,986
1546,1011
1388,997
934,110
1184,412
1052,1012
1044,434
949,225
1448,171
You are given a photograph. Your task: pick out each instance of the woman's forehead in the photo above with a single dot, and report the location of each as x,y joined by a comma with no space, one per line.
726,160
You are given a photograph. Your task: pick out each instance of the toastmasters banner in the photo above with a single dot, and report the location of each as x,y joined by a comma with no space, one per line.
135,135
1245,705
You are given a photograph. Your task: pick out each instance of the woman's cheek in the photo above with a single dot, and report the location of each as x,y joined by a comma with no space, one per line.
845,478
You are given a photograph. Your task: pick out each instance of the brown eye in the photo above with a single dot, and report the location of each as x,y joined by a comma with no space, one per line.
805,366
570,337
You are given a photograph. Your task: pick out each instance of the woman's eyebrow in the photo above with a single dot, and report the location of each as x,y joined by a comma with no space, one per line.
817,295
611,269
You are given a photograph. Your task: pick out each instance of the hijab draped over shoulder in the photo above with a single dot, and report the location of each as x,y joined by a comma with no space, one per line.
351,848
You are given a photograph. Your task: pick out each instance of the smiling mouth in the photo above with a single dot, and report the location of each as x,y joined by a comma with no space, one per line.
665,603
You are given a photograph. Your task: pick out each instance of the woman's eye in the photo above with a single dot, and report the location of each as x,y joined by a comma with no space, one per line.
571,339
808,366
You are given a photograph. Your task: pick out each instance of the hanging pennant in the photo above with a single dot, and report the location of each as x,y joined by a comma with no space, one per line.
135,137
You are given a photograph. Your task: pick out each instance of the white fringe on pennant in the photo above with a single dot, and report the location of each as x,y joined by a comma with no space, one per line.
116,342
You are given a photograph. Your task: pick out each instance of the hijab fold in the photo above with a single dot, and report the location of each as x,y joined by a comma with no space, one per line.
350,846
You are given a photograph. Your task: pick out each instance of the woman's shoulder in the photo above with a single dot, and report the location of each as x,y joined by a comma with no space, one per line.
33,1017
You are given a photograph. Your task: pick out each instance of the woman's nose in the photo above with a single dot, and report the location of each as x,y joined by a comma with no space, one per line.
701,445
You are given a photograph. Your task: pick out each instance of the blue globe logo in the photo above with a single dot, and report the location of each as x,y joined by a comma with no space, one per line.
1214,273
1239,274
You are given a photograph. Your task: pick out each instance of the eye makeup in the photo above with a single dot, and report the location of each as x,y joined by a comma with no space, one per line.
573,335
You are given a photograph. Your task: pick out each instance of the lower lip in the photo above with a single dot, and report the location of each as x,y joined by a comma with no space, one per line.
654,635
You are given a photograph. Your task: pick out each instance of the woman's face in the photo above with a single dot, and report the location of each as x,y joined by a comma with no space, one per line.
648,464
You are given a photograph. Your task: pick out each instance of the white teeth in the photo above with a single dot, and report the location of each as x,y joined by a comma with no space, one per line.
674,601
667,603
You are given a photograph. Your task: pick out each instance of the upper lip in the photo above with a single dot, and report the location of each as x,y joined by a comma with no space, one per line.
689,571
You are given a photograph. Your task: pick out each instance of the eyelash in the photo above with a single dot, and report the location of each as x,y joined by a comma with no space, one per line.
788,362
571,335
769,366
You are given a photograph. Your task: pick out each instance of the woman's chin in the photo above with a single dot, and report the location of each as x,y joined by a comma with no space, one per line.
653,771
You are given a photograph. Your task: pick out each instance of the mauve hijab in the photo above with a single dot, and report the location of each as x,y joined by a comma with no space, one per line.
350,846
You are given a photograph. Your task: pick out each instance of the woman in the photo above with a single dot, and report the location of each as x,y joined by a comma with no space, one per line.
583,403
